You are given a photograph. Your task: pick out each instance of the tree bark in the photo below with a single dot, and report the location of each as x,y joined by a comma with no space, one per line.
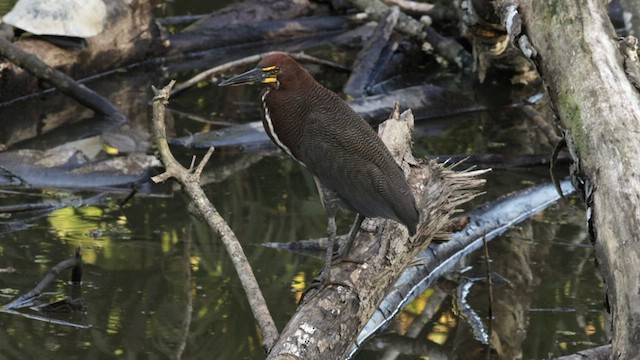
575,49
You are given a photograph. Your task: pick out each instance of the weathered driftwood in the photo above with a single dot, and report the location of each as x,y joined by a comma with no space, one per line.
249,21
577,54
366,63
130,35
443,46
71,169
484,224
212,37
252,11
326,324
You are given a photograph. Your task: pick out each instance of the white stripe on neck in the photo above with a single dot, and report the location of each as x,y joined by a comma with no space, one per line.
270,127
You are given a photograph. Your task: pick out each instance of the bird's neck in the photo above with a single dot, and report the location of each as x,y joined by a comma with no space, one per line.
283,116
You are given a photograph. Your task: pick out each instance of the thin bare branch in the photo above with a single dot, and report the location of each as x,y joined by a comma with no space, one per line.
191,185
251,60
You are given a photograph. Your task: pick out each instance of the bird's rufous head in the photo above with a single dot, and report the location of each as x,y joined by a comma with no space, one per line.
272,70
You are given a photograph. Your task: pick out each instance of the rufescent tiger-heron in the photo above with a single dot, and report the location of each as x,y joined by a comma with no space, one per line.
351,166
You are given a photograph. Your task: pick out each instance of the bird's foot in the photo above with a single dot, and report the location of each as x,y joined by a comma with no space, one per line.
317,285
320,283
342,256
339,259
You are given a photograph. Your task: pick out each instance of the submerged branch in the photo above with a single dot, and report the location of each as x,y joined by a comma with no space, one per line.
28,298
61,81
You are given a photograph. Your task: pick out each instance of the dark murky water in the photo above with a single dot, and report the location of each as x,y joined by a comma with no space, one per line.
157,282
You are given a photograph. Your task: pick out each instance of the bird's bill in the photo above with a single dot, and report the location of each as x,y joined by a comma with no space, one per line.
257,75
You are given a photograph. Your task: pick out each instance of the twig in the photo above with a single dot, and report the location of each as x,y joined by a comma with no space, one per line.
191,185
250,60
201,119
60,80
45,319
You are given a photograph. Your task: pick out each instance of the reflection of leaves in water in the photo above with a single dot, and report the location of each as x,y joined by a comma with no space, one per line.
76,223
92,227
416,307
9,291
75,226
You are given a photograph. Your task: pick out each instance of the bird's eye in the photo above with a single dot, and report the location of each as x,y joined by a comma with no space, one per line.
272,70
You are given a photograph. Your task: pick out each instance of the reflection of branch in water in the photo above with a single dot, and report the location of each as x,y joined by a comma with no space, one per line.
188,309
417,325
28,298
487,260
467,312
45,319
53,205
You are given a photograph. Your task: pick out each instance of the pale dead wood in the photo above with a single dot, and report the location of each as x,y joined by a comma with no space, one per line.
412,6
130,35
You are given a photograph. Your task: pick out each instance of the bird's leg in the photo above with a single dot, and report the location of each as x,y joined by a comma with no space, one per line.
325,274
346,247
